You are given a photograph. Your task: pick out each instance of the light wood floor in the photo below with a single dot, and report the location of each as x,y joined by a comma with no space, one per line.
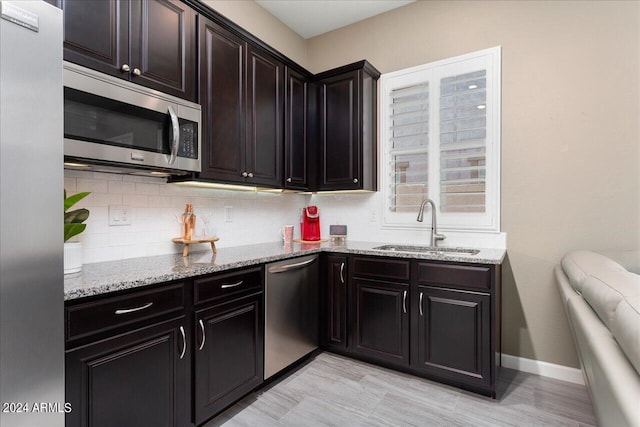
335,391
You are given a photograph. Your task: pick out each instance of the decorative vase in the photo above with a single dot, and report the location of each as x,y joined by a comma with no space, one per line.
72,257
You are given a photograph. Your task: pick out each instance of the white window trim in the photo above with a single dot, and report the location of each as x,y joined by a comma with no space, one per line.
454,221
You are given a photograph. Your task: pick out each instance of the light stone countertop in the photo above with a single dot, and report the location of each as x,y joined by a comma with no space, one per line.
111,276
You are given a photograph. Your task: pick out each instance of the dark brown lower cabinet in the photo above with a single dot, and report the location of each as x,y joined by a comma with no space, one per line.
439,320
453,335
229,359
381,320
138,378
335,302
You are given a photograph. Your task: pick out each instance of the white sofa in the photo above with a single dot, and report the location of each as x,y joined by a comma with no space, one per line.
601,296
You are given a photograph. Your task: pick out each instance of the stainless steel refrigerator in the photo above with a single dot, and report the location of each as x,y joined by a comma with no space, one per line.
31,215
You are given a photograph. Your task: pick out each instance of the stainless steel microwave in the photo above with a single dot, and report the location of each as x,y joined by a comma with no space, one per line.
112,122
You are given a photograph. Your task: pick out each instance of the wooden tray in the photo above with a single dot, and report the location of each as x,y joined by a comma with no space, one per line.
310,241
186,243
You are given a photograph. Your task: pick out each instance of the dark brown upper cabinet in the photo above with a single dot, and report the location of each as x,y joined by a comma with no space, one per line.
296,122
152,43
347,127
265,121
222,97
242,98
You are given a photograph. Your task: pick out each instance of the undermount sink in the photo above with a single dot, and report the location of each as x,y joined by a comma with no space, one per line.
428,250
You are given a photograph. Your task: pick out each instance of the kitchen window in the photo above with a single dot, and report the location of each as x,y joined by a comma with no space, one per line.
440,138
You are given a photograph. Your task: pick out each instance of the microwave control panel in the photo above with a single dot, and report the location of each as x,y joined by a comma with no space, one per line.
188,146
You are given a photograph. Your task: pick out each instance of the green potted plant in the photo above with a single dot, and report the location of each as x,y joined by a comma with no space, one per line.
73,225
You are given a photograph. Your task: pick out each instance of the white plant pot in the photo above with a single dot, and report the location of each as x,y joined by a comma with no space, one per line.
72,257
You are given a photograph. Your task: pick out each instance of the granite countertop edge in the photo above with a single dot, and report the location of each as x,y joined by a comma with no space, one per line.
112,276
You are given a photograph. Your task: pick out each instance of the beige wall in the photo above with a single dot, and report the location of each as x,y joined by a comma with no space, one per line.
570,127
570,132
262,24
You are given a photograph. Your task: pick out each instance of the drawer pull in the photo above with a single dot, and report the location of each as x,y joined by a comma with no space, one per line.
184,342
203,335
288,267
404,301
342,272
421,309
131,310
232,285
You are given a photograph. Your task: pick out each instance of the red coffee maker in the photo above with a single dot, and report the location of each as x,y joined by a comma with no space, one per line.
310,224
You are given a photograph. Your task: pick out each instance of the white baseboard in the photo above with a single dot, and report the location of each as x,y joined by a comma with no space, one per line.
544,369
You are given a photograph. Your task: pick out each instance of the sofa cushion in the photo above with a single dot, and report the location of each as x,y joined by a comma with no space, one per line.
613,382
579,265
614,296
625,327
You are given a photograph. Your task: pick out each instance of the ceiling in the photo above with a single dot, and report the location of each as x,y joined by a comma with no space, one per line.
310,18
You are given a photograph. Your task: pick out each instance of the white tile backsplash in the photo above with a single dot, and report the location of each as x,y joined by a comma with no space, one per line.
155,208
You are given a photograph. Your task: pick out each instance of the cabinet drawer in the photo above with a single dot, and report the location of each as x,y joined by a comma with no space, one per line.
224,285
455,275
97,316
382,268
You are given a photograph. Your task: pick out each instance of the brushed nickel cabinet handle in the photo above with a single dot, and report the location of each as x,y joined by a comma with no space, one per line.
232,285
404,301
342,272
288,267
288,179
355,180
184,342
125,68
250,175
421,310
136,71
131,310
204,338
244,174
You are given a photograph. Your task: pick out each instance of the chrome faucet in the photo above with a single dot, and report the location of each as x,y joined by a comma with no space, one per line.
435,237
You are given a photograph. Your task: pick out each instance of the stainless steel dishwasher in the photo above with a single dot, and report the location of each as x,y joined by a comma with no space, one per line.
291,312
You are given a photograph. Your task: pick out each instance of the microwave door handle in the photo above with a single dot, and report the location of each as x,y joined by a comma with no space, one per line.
176,135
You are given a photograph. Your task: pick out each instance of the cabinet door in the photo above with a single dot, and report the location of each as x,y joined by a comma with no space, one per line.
265,108
381,325
340,144
139,378
335,294
295,139
96,34
163,44
229,360
222,82
453,335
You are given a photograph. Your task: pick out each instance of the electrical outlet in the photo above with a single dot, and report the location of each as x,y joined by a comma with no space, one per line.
119,215
373,215
228,214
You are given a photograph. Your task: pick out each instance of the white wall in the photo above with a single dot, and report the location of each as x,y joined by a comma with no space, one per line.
570,132
262,24
257,217
155,206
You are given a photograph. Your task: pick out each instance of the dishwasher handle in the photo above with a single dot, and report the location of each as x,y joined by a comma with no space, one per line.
289,267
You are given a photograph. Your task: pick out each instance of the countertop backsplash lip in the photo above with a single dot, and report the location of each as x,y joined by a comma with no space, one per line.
112,276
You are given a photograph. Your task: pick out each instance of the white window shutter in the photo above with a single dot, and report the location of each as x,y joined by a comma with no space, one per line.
463,123
409,142
440,138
